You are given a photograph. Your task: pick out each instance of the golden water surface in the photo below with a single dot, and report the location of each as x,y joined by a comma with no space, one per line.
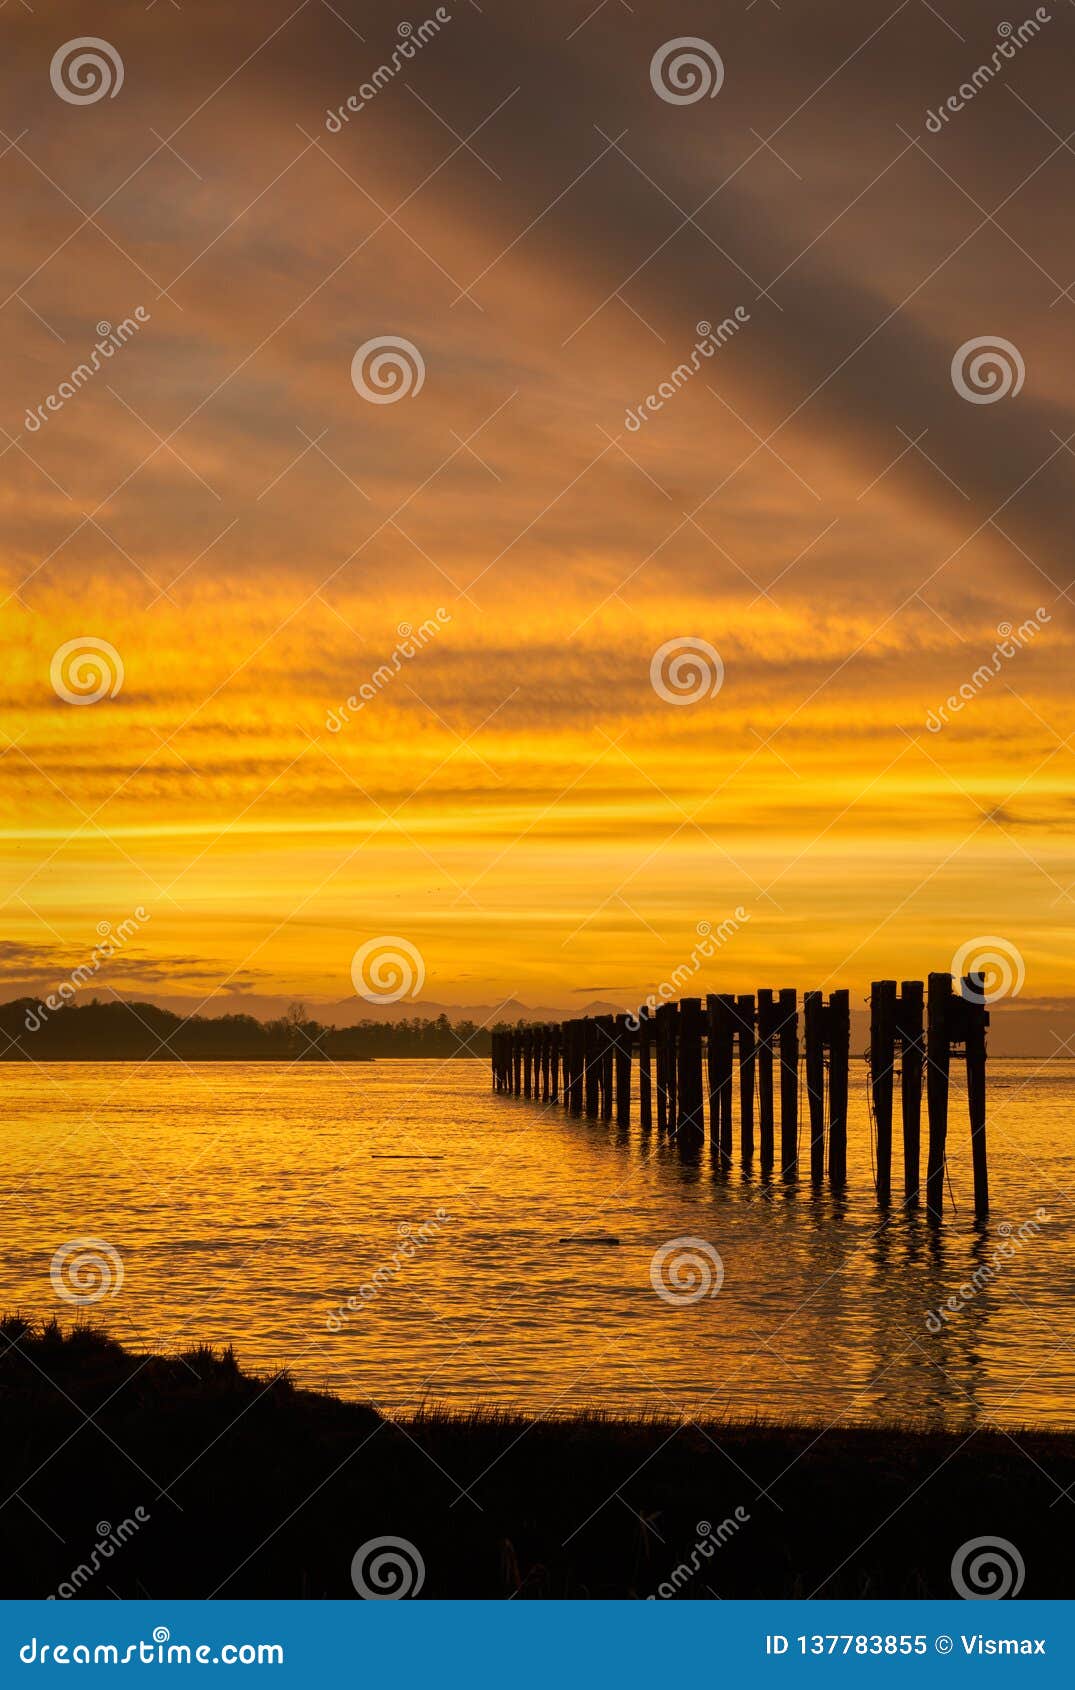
396,1232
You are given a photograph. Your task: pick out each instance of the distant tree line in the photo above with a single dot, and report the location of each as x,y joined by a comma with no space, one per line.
138,1032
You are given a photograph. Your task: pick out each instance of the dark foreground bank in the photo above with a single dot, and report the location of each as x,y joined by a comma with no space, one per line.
147,1476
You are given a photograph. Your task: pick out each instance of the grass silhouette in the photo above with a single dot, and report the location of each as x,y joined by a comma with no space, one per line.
255,1487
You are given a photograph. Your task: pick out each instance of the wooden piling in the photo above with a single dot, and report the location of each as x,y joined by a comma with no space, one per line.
938,1054
671,1033
788,1033
606,1037
744,1026
660,1031
839,1081
882,1066
912,1052
577,1061
813,1040
975,1021
594,1056
623,1072
721,1056
766,1027
645,1078
712,1075
690,1117
591,1061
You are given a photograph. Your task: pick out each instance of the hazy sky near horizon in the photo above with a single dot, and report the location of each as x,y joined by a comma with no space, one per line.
817,501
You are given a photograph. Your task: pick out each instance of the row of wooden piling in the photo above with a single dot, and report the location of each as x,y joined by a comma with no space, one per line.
687,1053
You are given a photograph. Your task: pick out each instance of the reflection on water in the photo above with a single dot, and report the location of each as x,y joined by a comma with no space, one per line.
396,1232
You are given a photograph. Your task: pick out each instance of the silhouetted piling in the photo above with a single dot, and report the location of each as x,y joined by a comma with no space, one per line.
813,1040
671,1033
595,1057
744,1027
623,1072
690,1117
839,1032
910,1021
975,1021
606,1035
645,1073
766,1119
788,1033
578,1065
721,1010
938,1054
882,1068
591,1068
660,1034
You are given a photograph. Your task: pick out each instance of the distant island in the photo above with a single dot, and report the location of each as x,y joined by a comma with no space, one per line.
143,1032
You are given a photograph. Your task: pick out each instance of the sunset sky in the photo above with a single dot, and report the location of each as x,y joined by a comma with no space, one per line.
818,502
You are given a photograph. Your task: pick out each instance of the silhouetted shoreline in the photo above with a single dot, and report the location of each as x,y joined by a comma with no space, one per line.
183,1476
143,1032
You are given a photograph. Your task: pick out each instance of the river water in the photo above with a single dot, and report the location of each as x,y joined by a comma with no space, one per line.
394,1231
